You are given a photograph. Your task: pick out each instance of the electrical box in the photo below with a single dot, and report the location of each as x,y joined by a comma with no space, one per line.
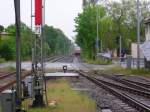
29,83
8,100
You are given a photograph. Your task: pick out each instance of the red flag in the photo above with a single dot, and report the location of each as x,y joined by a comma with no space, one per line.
38,12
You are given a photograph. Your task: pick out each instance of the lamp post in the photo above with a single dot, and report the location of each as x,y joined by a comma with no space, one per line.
138,34
97,27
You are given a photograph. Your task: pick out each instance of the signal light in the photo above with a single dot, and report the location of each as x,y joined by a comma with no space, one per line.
38,12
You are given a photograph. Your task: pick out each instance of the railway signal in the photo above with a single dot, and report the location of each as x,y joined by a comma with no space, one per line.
38,68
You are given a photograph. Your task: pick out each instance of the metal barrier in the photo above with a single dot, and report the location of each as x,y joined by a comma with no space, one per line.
127,62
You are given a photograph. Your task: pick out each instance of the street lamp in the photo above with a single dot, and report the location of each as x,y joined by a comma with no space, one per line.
97,27
138,34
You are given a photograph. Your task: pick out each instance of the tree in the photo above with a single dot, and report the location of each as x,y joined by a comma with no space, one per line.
86,30
1,28
56,40
116,19
11,29
7,50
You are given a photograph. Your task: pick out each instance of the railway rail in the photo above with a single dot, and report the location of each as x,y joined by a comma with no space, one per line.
127,95
133,84
139,83
8,79
57,58
3,75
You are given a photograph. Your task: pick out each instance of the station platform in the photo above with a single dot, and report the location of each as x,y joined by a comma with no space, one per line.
61,74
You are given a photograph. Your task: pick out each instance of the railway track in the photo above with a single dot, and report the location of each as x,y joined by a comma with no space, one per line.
8,79
139,83
133,84
133,97
3,75
67,59
55,58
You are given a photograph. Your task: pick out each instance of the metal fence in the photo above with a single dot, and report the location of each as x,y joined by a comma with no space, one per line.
126,62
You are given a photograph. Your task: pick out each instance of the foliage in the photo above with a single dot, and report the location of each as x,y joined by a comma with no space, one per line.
7,49
55,42
117,18
11,29
86,29
2,60
1,28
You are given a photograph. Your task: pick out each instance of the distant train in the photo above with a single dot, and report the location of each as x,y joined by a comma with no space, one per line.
77,51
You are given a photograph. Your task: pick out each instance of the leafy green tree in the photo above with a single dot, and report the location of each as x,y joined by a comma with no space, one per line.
86,30
7,50
117,18
56,40
11,29
1,28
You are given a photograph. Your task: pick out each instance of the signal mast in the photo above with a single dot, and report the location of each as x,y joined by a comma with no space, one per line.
38,65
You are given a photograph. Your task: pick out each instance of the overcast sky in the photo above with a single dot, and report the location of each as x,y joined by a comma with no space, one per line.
59,13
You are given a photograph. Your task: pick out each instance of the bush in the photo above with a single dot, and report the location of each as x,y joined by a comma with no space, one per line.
2,60
6,51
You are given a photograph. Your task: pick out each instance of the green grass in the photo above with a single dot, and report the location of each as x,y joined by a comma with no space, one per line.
2,60
99,61
67,99
120,70
8,69
0,107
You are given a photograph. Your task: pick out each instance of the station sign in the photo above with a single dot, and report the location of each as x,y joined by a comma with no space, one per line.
38,29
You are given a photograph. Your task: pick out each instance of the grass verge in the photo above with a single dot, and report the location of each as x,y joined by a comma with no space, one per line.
99,62
8,69
67,99
120,70
2,60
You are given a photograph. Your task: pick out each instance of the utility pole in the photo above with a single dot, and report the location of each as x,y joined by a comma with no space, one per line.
120,47
32,45
18,57
97,28
31,14
138,34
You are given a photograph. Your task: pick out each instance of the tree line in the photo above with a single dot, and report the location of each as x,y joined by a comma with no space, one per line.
55,42
116,18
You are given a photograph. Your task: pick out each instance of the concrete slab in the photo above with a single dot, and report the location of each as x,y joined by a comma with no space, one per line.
80,89
106,110
61,74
